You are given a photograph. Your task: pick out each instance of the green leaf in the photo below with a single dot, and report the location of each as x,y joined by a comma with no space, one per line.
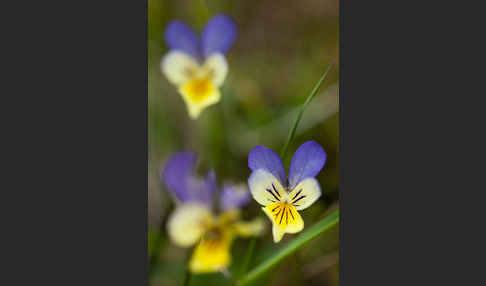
294,245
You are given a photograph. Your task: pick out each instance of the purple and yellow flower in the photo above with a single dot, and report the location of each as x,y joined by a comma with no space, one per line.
282,198
196,65
195,222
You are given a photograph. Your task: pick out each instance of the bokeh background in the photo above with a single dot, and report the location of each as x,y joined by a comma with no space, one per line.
282,49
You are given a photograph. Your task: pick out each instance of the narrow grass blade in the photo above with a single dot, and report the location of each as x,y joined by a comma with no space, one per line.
294,245
283,154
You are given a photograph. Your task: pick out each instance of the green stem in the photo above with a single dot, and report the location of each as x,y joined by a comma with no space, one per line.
283,154
249,253
294,245
159,243
187,274
204,8
187,277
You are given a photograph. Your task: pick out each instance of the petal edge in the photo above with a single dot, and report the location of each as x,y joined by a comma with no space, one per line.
218,35
262,157
308,161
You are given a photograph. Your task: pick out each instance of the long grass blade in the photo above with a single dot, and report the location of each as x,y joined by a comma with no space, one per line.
314,91
323,225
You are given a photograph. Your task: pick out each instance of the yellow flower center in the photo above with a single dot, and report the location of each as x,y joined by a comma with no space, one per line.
213,237
199,89
283,213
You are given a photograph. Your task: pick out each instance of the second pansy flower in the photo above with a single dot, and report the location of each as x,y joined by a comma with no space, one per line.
197,66
198,221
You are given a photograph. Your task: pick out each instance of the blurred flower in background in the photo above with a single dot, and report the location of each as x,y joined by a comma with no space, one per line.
281,199
196,221
197,66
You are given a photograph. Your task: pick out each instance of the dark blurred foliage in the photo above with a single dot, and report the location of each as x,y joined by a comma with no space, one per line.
283,47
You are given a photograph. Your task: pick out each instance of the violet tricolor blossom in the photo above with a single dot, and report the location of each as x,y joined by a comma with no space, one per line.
281,198
195,220
196,65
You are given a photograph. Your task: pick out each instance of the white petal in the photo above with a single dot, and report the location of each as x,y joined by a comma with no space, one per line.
250,228
265,188
216,68
188,223
305,194
178,67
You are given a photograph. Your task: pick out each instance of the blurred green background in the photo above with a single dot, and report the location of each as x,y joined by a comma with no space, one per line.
282,49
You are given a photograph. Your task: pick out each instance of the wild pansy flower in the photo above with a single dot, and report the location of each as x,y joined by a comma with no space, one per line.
281,198
194,221
197,66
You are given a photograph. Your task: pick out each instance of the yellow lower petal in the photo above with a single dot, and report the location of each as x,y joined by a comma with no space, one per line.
198,94
212,254
285,219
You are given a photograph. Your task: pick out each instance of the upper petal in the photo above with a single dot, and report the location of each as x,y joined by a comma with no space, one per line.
178,67
203,189
265,188
307,161
179,36
218,35
263,158
234,196
177,174
211,183
187,223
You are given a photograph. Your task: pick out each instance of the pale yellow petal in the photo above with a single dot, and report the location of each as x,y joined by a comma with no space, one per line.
179,67
277,233
212,254
188,223
251,228
284,218
199,94
305,193
265,188
216,69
